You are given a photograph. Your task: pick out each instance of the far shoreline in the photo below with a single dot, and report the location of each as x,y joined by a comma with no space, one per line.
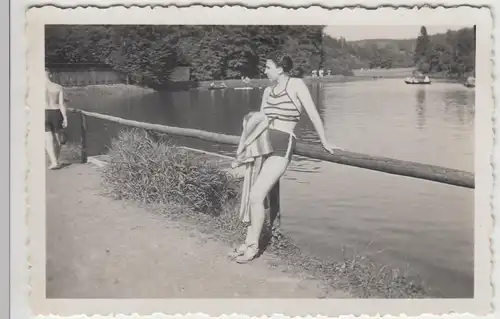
261,83
133,90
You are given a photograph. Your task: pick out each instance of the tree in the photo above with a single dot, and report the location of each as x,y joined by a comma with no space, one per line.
422,46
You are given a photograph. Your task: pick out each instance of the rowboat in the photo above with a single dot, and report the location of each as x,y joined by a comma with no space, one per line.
419,80
217,87
470,82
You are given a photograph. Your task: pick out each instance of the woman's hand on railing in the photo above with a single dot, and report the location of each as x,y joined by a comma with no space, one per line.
331,148
236,164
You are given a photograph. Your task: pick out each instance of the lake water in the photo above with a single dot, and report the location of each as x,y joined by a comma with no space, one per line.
329,208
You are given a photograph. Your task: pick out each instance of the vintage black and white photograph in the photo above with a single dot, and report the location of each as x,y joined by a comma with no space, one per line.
222,161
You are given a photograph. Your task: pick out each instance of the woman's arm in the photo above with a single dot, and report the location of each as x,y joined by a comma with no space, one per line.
265,95
62,107
307,102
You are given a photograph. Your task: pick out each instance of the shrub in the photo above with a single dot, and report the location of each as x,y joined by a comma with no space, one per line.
154,172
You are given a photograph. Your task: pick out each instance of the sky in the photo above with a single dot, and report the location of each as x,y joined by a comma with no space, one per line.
353,33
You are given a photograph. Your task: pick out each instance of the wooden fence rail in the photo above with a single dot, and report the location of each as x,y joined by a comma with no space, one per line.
382,164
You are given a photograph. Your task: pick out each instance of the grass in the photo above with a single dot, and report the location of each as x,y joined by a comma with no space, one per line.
148,171
178,184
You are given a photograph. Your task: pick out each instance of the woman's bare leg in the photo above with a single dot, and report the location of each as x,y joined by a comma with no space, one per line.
273,168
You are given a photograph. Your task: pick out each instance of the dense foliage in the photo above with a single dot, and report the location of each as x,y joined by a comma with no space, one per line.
369,54
452,53
148,53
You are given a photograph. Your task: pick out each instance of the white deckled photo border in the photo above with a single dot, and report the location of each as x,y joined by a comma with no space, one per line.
37,18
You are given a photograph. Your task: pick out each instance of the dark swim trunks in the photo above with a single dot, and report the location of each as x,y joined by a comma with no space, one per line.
283,143
53,121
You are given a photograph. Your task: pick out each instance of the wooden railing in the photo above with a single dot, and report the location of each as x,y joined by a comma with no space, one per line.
382,164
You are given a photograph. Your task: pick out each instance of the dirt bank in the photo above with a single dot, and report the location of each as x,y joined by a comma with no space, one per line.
102,248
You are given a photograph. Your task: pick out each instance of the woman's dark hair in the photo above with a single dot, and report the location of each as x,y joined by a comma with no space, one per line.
283,61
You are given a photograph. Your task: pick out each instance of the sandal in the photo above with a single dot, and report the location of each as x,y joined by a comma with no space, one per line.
249,254
238,251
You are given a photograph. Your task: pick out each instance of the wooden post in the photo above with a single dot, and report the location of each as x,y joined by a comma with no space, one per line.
274,207
83,132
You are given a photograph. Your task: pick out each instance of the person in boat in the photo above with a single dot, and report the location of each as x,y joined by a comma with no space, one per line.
56,120
283,104
245,79
470,82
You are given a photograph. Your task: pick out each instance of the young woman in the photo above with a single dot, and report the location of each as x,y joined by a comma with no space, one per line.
283,103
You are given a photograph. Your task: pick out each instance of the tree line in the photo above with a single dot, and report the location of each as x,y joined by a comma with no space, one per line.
149,53
452,53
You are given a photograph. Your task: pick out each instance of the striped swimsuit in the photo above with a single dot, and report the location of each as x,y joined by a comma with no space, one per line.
281,107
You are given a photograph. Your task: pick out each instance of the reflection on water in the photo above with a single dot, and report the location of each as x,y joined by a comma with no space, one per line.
461,104
421,96
328,207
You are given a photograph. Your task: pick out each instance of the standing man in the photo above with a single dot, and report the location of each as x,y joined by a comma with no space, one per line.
55,120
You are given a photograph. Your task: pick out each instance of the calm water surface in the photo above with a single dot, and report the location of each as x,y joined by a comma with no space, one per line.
329,208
